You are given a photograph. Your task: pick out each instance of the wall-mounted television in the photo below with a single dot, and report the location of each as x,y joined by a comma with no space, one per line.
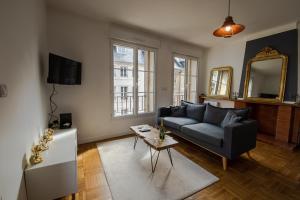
63,71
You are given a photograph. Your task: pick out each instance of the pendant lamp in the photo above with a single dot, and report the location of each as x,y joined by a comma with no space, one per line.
229,28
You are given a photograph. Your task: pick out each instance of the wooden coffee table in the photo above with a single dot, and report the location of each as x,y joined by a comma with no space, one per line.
151,138
139,134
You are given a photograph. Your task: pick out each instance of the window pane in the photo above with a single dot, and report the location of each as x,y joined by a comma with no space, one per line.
146,60
192,67
146,102
192,89
146,63
192,97
145,81
123,80
192,76
179,80
193,83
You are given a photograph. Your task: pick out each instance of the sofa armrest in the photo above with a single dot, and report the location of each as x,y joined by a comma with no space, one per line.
240,137
163,112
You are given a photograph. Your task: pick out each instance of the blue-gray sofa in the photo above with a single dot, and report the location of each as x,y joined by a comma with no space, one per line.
227,132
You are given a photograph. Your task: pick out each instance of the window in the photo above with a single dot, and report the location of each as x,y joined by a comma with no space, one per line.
146,62
121,50
124,90
185,79
133,80
123,72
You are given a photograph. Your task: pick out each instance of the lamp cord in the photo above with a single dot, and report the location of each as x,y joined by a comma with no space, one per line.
53,106
228,7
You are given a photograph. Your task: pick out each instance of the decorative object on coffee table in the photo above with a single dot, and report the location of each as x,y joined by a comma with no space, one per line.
162,130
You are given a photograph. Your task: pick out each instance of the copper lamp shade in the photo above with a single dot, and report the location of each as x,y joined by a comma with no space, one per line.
229,28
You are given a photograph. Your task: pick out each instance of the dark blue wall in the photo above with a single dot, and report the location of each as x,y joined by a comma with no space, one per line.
286,43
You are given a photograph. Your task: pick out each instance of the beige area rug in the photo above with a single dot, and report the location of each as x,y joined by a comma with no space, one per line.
129,176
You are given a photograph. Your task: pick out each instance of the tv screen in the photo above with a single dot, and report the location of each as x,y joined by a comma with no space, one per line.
63,71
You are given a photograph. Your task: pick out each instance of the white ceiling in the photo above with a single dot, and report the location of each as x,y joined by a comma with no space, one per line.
188,20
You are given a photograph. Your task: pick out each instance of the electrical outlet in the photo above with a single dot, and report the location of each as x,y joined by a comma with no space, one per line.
3,91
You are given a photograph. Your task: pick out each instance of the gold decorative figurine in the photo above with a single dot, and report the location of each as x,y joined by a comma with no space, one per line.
48,135
50,131
46,138
36,156
44,145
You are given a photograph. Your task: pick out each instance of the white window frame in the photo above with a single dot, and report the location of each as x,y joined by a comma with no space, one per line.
135,47
186,57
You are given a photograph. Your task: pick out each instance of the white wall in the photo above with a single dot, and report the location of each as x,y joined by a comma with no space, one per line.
227,55
23,114
232,54
88,41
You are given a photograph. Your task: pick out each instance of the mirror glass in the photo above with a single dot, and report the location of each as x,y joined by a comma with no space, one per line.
265,78
220,82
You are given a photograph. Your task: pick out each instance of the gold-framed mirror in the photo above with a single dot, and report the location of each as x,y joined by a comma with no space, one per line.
220,82
266,76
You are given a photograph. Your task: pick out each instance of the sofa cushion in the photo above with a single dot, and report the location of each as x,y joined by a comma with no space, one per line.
230,118
242,112
164,111
178,111
214,115
177,122
205,132
195,111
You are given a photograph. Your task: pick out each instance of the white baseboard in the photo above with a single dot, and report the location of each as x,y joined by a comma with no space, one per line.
85,140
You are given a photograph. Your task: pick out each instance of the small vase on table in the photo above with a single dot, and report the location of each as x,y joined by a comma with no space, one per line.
162,131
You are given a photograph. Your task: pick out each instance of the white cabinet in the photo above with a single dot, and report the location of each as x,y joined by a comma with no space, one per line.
56,176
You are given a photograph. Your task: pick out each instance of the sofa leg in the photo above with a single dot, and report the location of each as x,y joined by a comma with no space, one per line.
224,161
